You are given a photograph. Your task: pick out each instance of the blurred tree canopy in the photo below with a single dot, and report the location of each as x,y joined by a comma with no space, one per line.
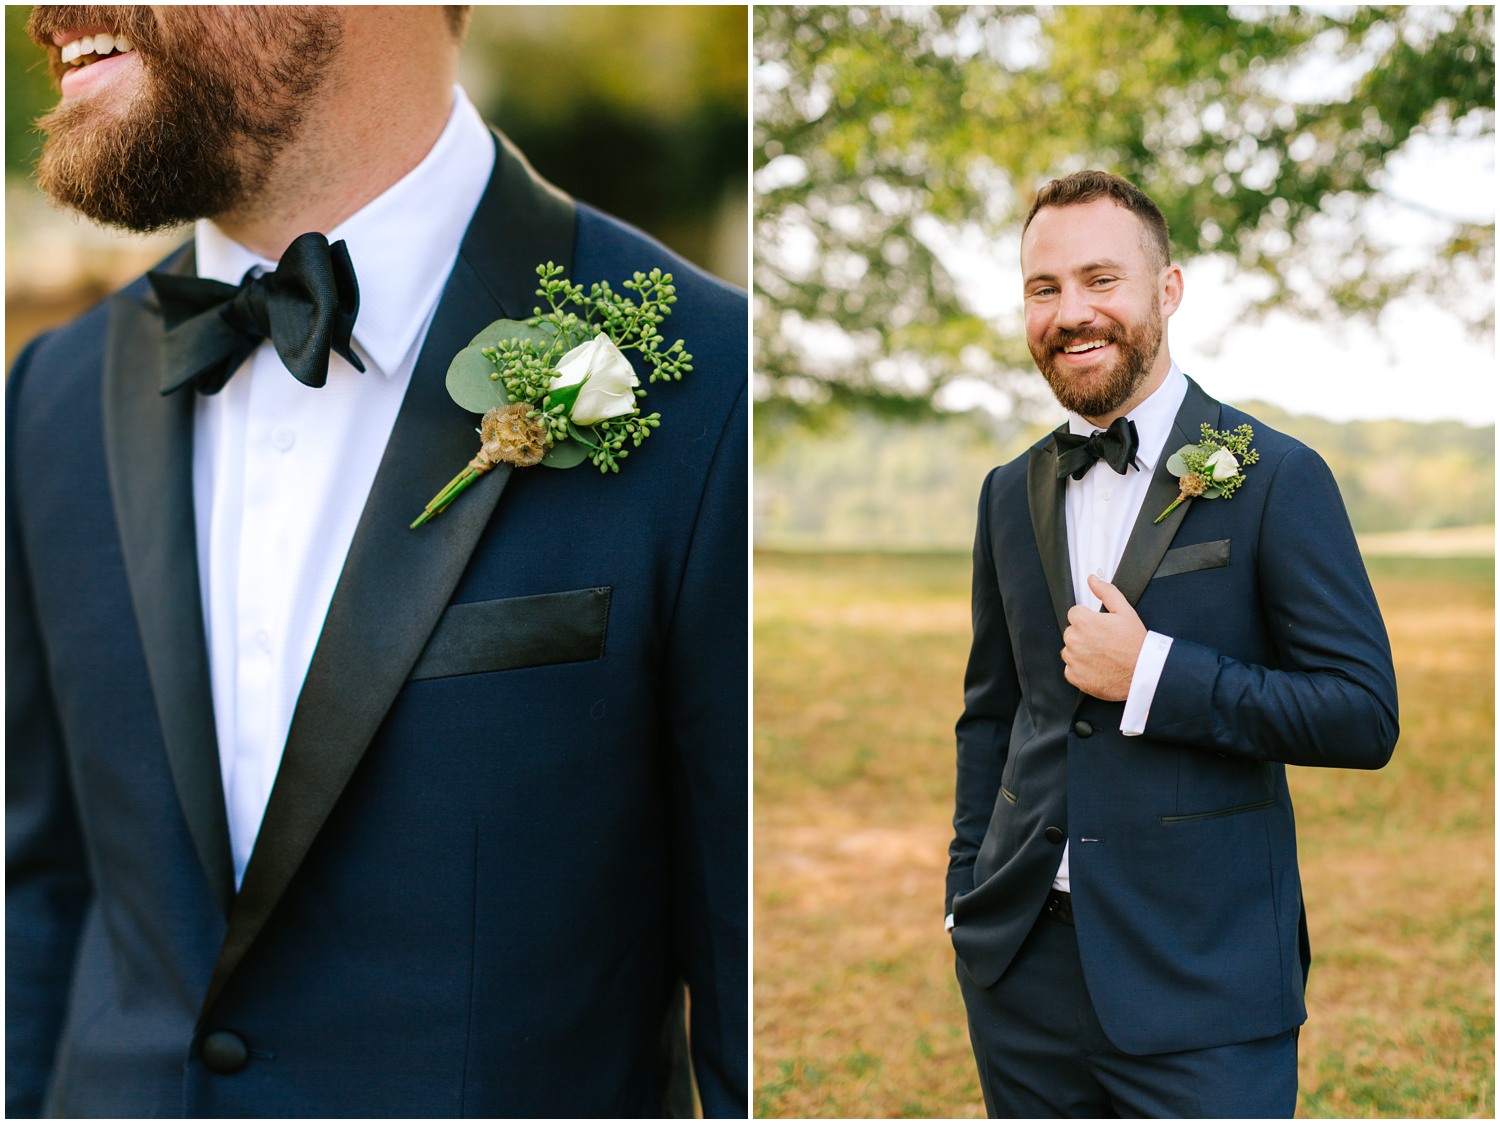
1265,135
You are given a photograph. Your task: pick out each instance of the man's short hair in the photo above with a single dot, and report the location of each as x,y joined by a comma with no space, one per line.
458,18
1085,187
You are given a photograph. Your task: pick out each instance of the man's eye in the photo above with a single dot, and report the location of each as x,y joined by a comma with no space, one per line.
1104,280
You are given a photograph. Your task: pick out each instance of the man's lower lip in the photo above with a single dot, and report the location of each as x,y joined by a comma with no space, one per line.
81,80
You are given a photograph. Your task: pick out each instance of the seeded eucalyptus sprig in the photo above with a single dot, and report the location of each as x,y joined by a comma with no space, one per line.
555,389
526,369
1211,469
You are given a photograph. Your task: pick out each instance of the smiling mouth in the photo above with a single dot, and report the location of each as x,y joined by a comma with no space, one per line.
1081,348
87,49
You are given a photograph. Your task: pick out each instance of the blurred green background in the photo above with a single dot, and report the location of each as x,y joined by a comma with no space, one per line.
637,110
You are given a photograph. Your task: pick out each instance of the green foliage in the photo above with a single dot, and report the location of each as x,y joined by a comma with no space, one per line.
1264,135
525,360
883,483
28,93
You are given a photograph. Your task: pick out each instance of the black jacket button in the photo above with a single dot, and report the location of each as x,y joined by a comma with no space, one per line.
1054,835
224,1051
1083,729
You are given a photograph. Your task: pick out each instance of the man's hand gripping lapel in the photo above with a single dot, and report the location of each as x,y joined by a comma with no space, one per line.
1100,648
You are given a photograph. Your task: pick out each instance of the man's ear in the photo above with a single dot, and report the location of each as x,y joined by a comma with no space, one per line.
1170,290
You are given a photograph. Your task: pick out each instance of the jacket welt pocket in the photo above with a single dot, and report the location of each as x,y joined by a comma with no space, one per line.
516,632
1236,810
1197,556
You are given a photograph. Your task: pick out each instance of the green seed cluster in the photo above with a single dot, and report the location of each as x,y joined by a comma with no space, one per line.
574,316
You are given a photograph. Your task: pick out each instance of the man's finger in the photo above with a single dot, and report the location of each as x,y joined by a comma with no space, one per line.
1112,598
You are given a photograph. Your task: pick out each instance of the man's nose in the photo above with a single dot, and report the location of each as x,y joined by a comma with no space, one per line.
1074,309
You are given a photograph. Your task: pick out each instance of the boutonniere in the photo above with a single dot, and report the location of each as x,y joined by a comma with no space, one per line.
1213,468
557,389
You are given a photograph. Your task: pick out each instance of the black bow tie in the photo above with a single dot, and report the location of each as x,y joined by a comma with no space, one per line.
1115,446
305,307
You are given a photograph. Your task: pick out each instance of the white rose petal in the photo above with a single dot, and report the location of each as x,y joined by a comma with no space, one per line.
610,390
1223,464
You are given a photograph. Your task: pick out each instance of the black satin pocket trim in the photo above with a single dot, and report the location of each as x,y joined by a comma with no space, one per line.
516,632
1219,813
1198,556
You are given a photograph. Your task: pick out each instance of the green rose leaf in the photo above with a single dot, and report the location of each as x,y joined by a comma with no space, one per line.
565,396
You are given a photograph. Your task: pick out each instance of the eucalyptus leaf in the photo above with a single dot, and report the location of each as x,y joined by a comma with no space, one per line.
469,382
565,455
499,330
1176,465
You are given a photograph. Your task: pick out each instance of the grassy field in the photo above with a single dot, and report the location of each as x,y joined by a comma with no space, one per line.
859,662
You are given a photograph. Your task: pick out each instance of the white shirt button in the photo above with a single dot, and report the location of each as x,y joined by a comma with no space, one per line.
1107,494
263,640
283,440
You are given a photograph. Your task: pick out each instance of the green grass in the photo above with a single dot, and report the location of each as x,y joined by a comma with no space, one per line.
859,663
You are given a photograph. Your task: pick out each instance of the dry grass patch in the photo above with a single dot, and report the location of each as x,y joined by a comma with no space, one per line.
859,661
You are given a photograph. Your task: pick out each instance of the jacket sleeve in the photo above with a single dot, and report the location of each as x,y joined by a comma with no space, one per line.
707,730
1330,697
47,887
992,691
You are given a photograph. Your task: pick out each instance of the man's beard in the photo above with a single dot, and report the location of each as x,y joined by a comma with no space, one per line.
1138,348
201,134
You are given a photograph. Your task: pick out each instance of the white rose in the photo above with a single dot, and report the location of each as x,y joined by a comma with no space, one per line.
610,390
1223,464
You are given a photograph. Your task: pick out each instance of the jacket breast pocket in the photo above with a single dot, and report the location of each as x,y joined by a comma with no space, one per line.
516,632
1198,556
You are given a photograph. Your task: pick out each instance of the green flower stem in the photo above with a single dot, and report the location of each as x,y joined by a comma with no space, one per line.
1170,508
451,491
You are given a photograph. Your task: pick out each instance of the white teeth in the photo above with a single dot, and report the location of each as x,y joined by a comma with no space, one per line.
1079,347
100,45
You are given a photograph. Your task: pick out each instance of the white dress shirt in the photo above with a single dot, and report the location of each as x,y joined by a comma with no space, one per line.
1100,510
281,471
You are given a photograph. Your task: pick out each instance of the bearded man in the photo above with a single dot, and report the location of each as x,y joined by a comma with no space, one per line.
1169,608
310,813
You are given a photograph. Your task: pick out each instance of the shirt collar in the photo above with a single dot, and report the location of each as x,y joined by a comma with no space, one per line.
403,243
1153,418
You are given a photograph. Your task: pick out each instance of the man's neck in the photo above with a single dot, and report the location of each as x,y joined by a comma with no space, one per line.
365,129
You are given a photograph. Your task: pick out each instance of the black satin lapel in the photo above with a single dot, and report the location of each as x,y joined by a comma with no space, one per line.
1044,495
396,581
1149,540
148,443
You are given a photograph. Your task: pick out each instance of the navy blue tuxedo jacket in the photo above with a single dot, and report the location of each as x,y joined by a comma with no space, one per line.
510,822
1182,850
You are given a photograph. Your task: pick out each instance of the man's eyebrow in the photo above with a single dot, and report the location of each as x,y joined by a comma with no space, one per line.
1101,266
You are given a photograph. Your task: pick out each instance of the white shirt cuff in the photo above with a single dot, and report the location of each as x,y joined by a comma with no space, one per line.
1143,682
948,923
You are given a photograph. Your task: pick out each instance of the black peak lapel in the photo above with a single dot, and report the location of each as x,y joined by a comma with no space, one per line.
396,581
1044,494
1148,539
148,442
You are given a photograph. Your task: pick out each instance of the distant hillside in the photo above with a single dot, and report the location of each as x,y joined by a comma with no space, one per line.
870,483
